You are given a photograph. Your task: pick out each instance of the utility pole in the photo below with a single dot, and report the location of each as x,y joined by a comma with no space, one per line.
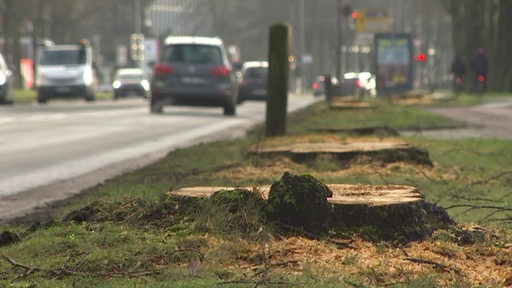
302,32
338,46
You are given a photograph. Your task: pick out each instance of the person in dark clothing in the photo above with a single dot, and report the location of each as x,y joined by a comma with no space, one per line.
480,66
458,70
458,67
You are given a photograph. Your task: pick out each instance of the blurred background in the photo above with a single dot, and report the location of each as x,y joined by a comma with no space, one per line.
329,37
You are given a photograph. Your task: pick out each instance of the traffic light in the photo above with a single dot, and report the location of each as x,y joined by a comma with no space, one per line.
137,47
355,15
421,57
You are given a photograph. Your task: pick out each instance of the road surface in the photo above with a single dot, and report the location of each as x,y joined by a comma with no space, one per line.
54,151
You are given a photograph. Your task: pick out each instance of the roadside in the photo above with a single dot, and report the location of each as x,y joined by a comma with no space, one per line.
38,201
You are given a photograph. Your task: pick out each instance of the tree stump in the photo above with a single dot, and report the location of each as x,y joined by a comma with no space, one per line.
378,212
381,131
342,194
385,152
346,102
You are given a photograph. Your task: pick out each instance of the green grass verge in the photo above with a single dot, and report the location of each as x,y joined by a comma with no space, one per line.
133,253
25,96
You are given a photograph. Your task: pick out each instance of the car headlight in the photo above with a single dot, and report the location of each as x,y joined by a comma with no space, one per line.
145,84
116,84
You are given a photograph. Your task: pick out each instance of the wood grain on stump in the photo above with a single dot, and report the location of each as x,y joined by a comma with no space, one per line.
343,194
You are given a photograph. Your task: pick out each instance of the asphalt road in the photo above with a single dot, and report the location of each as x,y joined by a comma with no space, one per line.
51,152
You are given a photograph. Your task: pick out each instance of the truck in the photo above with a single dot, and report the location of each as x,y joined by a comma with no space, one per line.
66,71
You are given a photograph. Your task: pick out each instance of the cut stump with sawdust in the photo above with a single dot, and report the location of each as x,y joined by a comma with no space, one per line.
380,212
343,194
349,103
385,152
381,131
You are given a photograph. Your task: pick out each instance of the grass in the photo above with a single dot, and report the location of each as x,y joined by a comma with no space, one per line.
137,237
26,96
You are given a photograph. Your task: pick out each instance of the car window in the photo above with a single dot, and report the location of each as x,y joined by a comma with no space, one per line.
256,72
63,57
192,53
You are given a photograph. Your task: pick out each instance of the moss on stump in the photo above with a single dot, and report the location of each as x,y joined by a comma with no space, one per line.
300,201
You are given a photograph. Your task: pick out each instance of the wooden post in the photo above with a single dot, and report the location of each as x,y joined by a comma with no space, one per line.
277,96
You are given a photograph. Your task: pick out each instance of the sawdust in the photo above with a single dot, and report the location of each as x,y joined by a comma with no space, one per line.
385,264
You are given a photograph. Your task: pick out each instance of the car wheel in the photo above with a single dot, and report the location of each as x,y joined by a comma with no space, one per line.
230,110
90,97
5,101
41,98
156,106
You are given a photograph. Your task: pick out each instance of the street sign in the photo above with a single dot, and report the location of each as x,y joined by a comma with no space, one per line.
373,21
307,59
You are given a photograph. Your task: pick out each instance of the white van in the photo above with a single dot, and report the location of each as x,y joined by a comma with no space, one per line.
66,71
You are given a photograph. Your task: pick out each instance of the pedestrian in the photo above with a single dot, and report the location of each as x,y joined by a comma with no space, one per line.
458,67
480,66
458,70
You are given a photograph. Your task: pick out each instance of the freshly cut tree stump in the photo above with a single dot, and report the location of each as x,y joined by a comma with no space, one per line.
363,131
347,102
343,194
378,212
386,152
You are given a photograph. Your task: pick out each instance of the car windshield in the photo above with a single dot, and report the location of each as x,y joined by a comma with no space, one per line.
63,57
256,72
193,53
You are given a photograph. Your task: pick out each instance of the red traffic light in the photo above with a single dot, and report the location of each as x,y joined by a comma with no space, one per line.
421,57
355,14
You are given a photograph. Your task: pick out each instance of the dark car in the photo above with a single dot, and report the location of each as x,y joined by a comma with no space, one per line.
319,86
130,82
253,84
194,71
6,83
358,84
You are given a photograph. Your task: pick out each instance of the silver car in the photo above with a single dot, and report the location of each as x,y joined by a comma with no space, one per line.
130,82
194,71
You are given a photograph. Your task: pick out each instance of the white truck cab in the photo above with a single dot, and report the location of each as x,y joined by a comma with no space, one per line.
66,71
